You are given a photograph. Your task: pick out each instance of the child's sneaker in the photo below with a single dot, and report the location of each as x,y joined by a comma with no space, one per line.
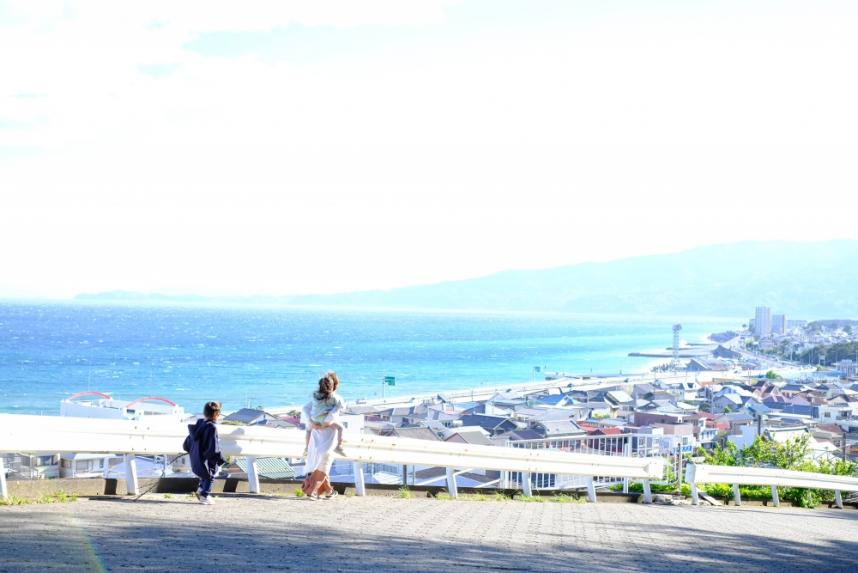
208,500
331,495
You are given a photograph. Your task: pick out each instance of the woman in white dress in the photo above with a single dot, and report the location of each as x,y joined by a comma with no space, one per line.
320,451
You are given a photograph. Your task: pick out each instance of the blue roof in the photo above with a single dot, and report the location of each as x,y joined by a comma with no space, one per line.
551,400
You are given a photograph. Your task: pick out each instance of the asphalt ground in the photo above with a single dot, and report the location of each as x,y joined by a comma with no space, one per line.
285,533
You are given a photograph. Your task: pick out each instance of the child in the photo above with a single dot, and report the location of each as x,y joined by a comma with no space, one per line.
203,446
324,408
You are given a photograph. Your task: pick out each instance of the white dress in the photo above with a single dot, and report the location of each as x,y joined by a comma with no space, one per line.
320,453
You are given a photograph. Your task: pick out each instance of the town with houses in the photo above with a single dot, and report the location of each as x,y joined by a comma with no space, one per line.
733,388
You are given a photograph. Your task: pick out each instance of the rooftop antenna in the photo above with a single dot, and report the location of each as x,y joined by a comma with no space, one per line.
675,363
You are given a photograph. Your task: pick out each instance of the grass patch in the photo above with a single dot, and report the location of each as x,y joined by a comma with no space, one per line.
563,498
404,493
168,496
495,496
530,498
56,497
443,495
299,492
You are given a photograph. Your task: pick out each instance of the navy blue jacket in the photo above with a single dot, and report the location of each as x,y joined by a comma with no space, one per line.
204,448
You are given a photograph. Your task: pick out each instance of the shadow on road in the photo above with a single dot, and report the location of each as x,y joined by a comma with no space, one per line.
41,540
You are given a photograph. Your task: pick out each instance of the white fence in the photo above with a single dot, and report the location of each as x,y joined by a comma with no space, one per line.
669,448
65,434
774,477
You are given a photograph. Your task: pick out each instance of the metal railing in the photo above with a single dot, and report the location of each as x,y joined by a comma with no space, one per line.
65,434
774,477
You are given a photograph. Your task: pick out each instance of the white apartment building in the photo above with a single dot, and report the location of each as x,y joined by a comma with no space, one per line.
763,322
779,324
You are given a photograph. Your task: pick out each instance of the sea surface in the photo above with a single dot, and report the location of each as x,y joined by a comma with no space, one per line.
274,356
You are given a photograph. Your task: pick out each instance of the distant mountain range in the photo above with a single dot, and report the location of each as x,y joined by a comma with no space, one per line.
802,280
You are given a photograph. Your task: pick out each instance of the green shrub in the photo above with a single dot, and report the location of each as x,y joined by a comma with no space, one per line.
637,487
790,455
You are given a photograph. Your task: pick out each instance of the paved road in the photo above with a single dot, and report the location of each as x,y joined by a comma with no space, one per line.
243,533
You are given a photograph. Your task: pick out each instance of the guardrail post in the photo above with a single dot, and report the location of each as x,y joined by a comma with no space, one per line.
776,500
526,489
737,497
838,499
691,478
647,491
360,483
131,484
591,490
252,475
452,488
627,451
4,490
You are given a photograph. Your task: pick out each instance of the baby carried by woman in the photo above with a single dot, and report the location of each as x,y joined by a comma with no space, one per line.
324,409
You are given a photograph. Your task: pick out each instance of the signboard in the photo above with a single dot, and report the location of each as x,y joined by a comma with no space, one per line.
390,380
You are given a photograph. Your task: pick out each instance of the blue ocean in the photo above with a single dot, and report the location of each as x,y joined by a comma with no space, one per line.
273,356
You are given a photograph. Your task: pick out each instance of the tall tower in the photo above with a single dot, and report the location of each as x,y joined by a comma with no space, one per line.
675,364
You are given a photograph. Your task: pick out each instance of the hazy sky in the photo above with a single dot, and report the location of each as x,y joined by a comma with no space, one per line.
290,147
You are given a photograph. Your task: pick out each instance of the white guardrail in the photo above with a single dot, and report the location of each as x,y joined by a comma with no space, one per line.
774,477
55,434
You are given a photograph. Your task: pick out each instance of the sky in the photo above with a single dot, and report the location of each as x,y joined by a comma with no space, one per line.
316,147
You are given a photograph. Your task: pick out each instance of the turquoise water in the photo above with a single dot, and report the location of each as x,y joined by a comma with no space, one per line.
273,356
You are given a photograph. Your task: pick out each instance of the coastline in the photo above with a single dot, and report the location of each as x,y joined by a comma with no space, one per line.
265,360
576,381
582,382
